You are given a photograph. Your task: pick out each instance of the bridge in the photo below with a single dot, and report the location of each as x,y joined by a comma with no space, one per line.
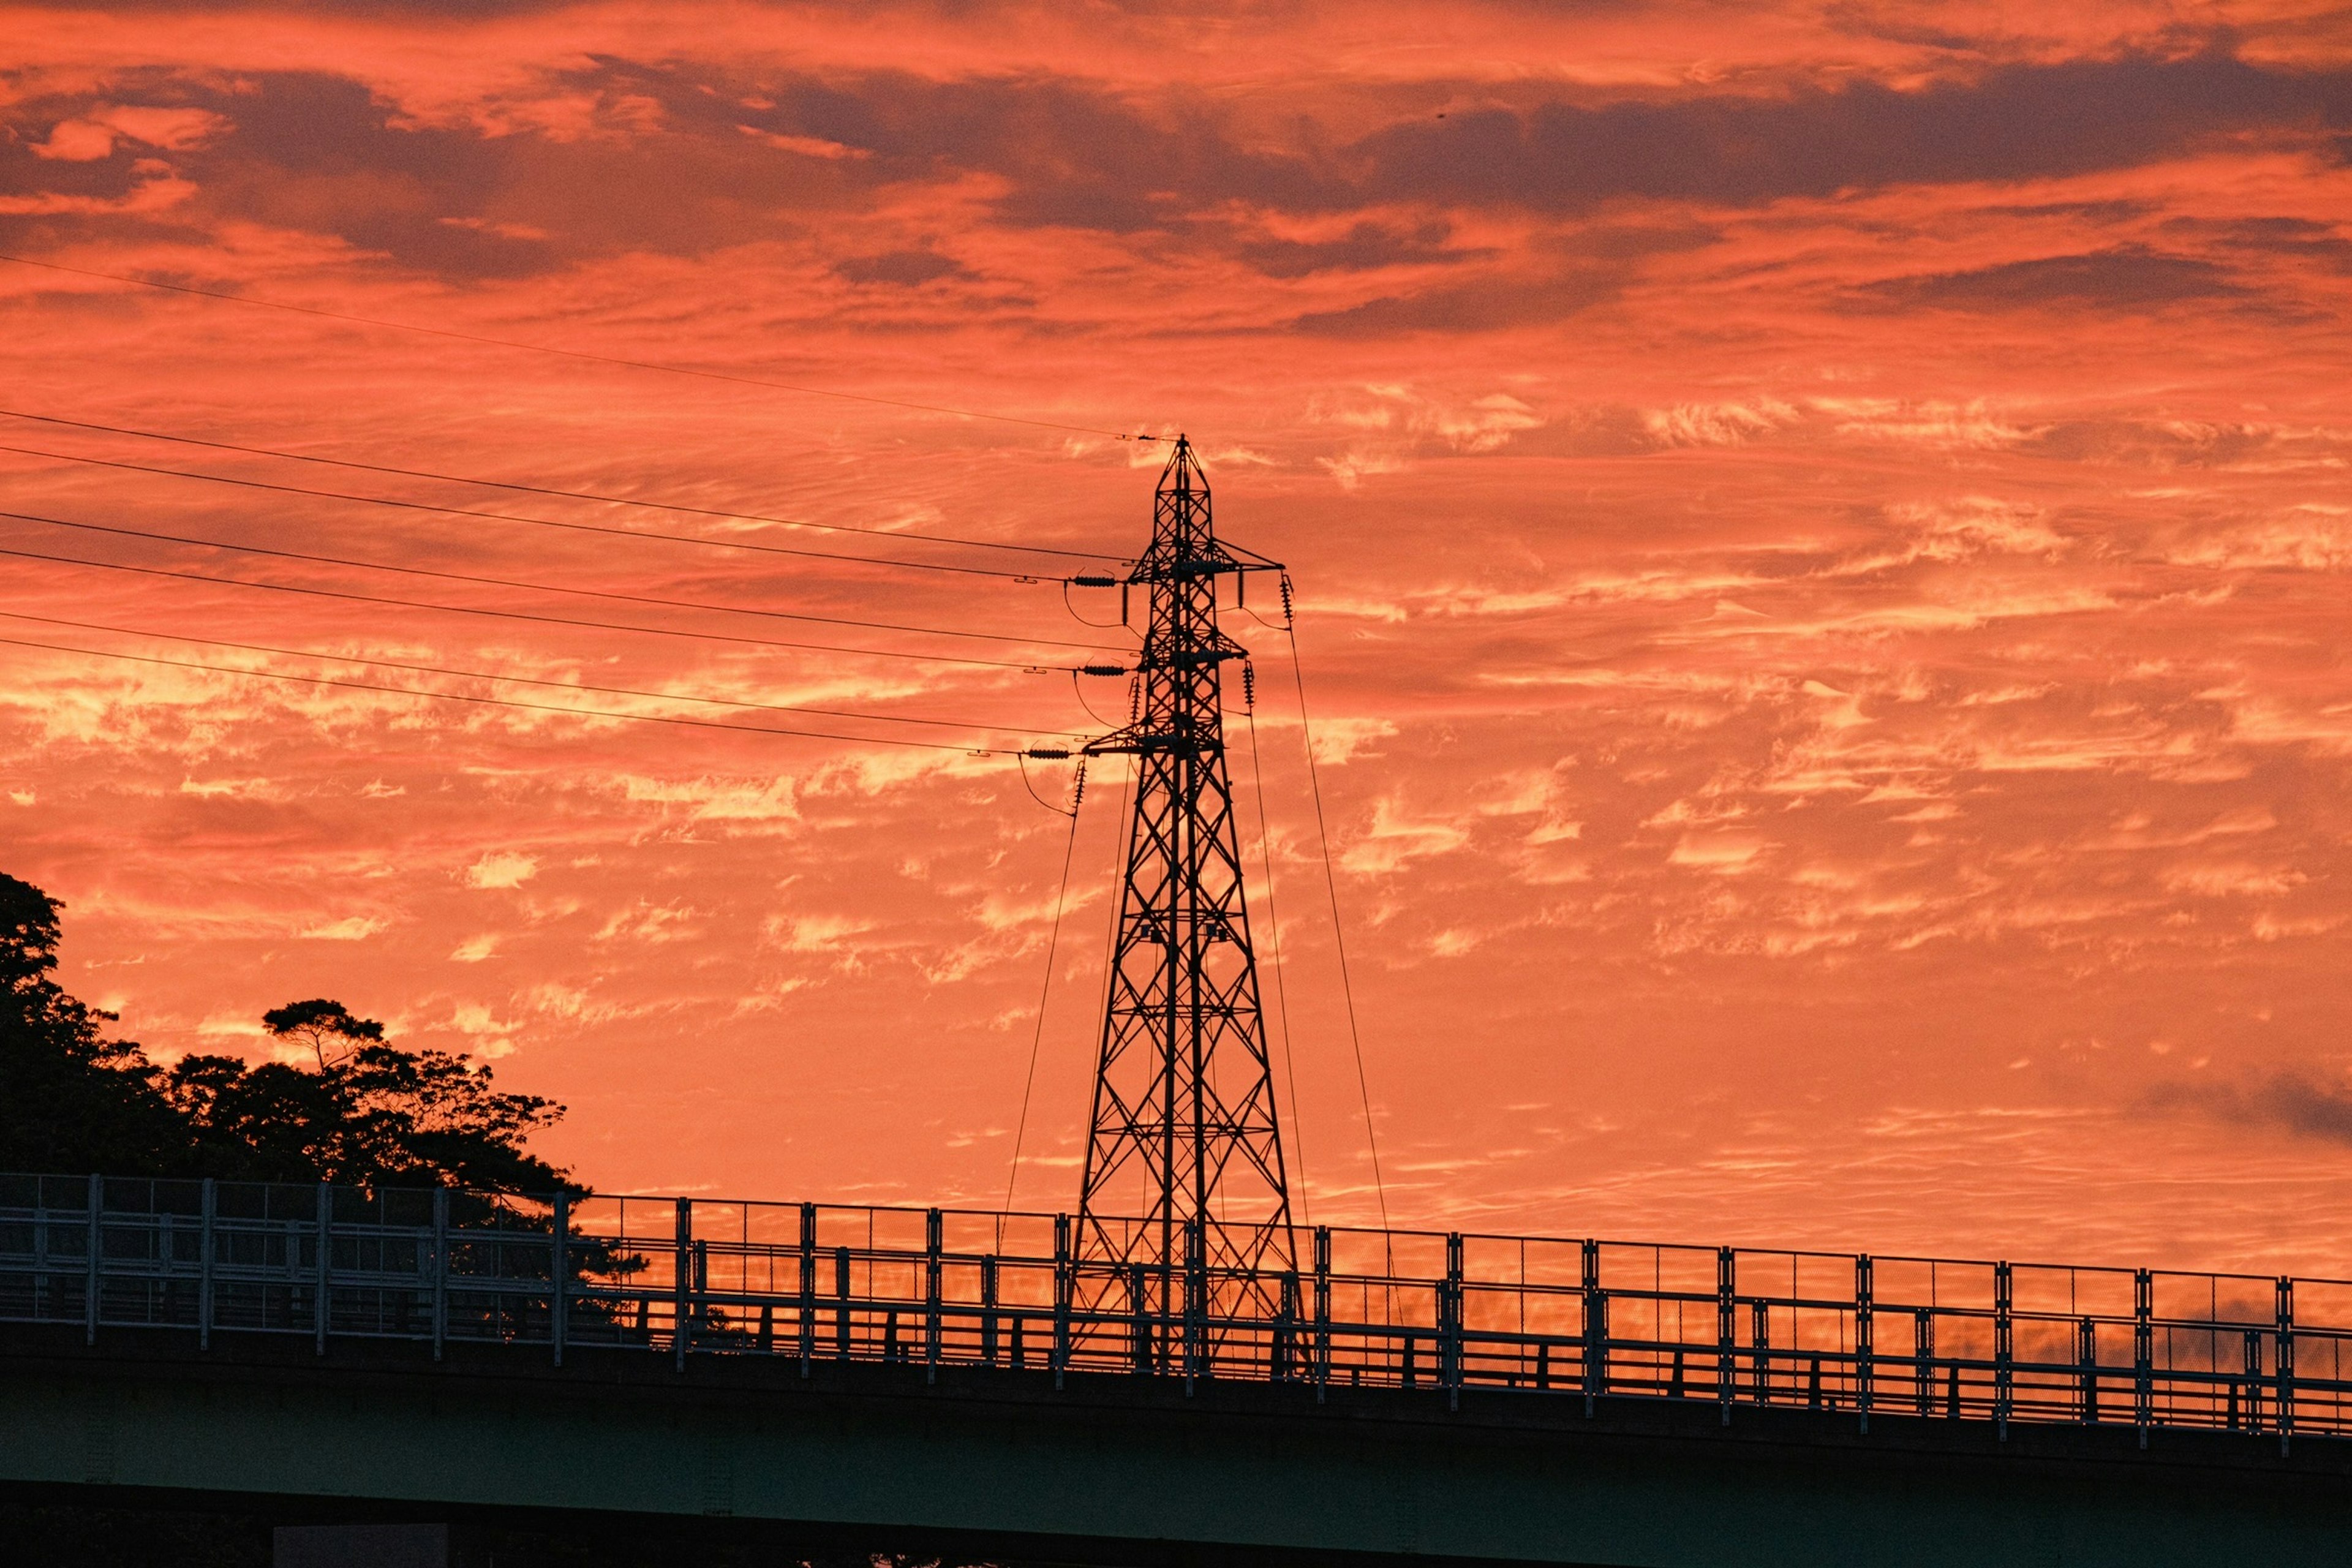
1177,1372
974,1381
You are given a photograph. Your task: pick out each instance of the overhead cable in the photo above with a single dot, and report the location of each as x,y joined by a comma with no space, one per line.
652,599
1046,991
570,353
526,680
536,521
1274,928
1331,885
520,489
508,701
358,598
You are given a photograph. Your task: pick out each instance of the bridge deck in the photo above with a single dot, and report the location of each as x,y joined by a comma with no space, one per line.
1131,1468
990,1382
2006,1344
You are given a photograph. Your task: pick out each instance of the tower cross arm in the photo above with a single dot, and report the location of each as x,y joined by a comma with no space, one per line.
1210,557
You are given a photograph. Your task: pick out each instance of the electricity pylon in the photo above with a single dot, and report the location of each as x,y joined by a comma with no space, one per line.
1185,1127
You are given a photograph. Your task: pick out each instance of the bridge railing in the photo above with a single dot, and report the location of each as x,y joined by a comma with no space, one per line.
1546,1317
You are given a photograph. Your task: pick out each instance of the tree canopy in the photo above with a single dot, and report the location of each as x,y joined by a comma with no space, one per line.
360,1111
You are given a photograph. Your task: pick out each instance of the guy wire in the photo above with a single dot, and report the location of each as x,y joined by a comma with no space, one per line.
1331,885
1281,992
1052,942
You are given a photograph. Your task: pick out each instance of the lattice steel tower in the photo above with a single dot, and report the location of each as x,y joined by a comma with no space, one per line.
1185,1125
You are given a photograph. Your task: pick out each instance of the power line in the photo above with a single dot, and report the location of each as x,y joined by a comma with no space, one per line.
1281,991
510,702
526,680
1331,884
544,587
1045,992
534,521
520,489
526,615
570,353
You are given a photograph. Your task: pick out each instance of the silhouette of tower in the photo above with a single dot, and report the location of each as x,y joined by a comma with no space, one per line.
1184,1165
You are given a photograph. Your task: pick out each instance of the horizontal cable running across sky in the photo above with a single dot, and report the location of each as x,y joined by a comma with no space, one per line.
359,598
534,521
521,488
512,702
531,680
651,599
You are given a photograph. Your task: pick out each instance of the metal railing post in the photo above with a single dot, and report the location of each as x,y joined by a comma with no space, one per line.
1596,1328
841,1325
2143,1351
95,1248
167,1256
1062,1290
1866,1344
2284,1400
440,1270
204,1269
932,1264
559,1275
319,1297
1727,1328
988,1309
1923,1356
2003,1329
1449,1322
808,1286
1138,1317
1322,1310
2087,1370
681,1334
1196,1264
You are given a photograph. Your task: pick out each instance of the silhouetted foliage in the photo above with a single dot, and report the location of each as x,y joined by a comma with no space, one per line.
363,1112
327,1027
70,1099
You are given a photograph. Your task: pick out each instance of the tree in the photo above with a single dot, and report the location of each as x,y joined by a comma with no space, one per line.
360,1111
367,1114
327,1027
70,1099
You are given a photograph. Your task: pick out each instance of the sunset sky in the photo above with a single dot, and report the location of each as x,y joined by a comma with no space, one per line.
1821,532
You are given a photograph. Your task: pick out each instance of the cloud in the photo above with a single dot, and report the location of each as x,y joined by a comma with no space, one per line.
1490,304
2125,278
2307,538
1958,529
350,928
1971,425
647,922
2012,123
2290,1102
2289,238
816,933
501,868
1716,423
907,268
76,141
1720,852
1365,246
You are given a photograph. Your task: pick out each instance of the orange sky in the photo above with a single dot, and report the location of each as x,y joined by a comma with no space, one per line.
1821,536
